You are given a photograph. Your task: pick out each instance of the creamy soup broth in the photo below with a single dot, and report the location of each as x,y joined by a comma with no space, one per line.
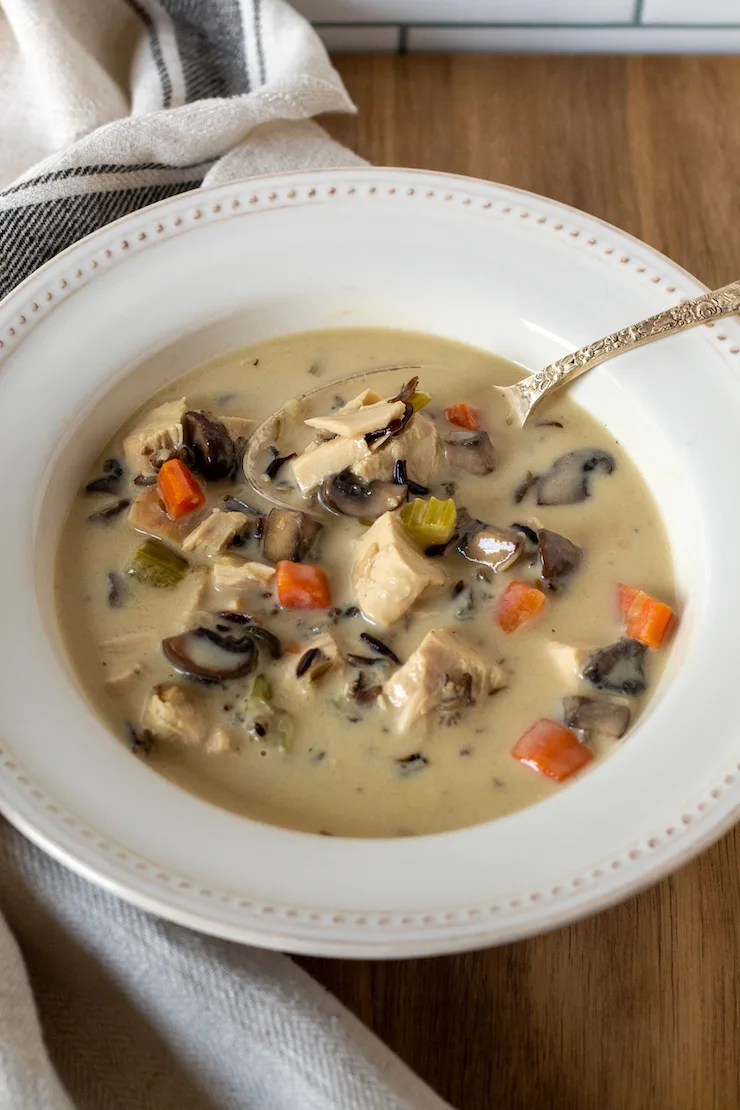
347,770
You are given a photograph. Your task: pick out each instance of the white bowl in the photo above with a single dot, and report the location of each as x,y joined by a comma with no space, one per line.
96,331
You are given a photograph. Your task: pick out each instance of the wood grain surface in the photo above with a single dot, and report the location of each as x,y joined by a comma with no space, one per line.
639,1007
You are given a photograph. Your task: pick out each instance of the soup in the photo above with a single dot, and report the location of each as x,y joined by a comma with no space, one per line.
442,620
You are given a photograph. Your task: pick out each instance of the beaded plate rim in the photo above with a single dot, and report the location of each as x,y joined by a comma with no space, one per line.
310,929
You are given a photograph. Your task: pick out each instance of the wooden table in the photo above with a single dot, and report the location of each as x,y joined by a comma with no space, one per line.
639,1007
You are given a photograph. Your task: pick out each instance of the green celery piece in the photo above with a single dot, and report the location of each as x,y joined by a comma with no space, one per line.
261,689
419,400
155,564
429,522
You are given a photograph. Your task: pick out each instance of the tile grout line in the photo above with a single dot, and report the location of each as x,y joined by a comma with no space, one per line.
626,26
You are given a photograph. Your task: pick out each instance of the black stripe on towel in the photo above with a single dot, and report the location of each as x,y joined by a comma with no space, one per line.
34,233
210,41
93,171
257,4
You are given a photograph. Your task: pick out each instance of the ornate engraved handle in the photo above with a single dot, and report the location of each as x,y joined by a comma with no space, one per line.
710,306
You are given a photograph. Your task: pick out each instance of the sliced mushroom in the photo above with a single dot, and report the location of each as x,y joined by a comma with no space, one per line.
346,494
568,480
110,479
200,658
497,548
601,715
289,535
529,533
619,668
212,446
248,629
474,453
560,557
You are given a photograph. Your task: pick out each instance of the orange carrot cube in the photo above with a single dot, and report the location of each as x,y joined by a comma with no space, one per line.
464,416
518,604
552,749
302,586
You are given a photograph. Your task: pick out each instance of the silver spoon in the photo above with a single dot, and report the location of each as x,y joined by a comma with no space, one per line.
524,395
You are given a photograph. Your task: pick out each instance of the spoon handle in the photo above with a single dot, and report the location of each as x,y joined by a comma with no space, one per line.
700,310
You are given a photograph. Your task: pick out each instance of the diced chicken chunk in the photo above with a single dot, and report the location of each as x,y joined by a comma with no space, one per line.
147,514
569,660
123,658
215,533
389,572
160,431
360,421
367,397
233,573
446,674
220,741
190,597
419,445
173,714
238,427
314,465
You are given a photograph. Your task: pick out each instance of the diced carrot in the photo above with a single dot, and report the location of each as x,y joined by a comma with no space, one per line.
627,595
292,647
302,586
465,416
179,489
552,750
518,603
646,619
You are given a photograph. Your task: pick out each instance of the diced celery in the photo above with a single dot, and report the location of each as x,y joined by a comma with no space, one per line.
261,689
429,522
155,564
419,400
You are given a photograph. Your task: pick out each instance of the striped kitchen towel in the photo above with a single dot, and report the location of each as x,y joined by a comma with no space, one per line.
108,105
115,104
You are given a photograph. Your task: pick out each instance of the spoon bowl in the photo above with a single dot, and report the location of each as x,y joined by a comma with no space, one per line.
319,400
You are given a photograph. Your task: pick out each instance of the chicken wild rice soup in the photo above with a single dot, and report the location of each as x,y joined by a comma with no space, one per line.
444,620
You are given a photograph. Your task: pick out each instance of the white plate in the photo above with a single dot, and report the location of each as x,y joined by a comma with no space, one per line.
107,323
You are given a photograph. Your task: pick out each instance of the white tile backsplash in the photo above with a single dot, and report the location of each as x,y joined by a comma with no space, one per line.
518,26
467,11
574,40
691,11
